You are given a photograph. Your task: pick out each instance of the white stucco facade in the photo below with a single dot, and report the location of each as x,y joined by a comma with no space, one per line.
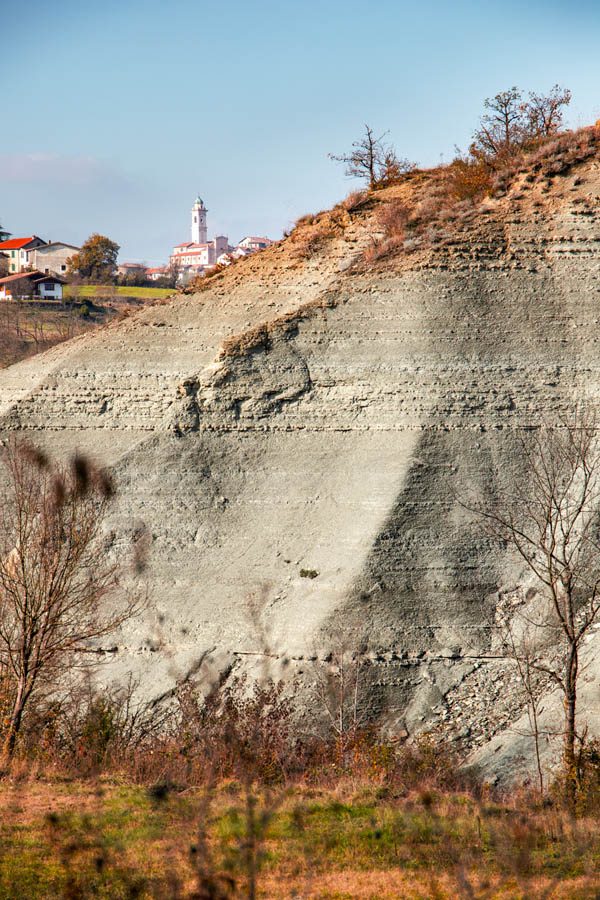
199,230
52,258
193,257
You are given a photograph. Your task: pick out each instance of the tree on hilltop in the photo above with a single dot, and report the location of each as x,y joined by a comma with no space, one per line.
545,113
96,261
510,122
374,160
4,235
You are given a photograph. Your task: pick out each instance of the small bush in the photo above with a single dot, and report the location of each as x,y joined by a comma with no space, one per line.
393,217
355,200
468,179
307,241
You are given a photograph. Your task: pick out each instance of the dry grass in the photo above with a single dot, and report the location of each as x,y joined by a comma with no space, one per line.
311,234
345,841
443,201
227,801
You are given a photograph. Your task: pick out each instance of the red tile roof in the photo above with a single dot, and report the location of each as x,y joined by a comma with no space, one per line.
16,243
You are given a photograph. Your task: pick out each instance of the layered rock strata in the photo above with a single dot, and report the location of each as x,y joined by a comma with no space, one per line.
296,438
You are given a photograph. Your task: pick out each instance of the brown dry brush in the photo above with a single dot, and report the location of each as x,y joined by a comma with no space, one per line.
311,233
446,199
242,734
27,329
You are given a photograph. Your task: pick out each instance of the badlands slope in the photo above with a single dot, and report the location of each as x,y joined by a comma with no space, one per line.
317,414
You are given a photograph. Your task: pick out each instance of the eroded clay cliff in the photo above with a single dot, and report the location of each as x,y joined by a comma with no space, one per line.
309,412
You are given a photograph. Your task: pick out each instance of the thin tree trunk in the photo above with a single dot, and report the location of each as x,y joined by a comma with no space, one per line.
14,726
570,729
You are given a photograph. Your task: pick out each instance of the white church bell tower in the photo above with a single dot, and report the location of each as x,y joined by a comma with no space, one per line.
199,222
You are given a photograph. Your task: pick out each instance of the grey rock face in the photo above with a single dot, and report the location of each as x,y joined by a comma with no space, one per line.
318,416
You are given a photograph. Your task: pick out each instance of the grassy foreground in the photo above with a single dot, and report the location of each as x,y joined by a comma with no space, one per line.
112,839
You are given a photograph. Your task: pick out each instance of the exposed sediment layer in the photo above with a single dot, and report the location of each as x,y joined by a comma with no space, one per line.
320,416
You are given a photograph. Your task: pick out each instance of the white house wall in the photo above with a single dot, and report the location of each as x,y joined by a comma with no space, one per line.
54,260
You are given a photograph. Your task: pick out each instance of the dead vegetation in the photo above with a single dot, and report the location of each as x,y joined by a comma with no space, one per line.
235,803
311,233
441,203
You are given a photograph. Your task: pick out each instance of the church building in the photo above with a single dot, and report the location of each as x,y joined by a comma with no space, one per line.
198,254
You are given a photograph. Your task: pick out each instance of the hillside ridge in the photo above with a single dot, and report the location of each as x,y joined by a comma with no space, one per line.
318,408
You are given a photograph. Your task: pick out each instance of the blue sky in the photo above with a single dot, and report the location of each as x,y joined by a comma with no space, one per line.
119,113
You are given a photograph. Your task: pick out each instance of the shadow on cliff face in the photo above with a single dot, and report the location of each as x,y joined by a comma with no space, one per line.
425,599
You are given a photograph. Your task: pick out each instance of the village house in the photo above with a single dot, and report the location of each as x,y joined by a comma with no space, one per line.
16,249
153,274
31,285
255,243
51,258
127,268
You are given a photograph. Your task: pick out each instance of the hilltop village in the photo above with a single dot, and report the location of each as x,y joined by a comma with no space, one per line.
33,267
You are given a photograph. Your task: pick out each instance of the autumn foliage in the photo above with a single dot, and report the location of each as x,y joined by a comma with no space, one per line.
96,261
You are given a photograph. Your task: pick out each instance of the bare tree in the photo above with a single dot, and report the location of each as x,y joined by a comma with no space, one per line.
54,576
510,122
503,128
339,688
173,273
374,160
544,113
520,642
553,523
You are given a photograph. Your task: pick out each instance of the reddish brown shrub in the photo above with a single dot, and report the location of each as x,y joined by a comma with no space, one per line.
392,217
468,179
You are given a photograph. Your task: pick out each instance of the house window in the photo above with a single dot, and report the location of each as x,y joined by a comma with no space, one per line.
12,254
63,268
49,288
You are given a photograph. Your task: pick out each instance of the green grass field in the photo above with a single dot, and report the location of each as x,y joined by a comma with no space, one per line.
102,291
